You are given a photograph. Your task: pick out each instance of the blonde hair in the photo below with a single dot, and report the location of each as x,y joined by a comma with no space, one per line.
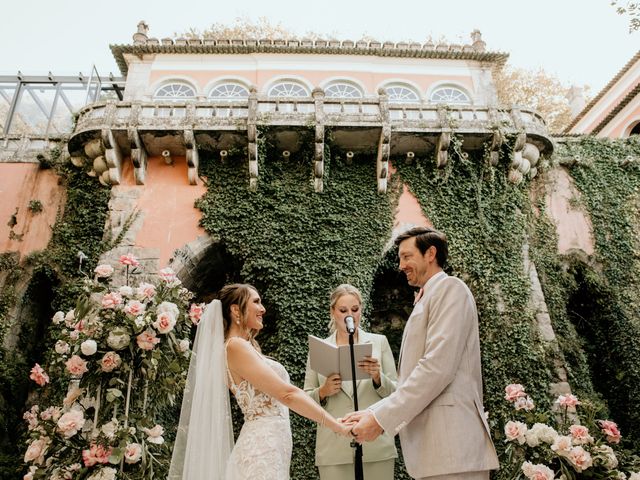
339,292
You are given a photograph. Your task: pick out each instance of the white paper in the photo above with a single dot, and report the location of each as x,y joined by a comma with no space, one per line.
327,359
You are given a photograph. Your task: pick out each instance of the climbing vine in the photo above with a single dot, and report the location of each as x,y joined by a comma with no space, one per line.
297,245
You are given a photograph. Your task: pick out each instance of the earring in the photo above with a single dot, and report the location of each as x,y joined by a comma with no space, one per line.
238,322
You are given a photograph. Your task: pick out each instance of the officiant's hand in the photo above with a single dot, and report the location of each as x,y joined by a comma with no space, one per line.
371,365
366,428
331,386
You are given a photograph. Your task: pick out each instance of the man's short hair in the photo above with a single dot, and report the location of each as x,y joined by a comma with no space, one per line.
427,237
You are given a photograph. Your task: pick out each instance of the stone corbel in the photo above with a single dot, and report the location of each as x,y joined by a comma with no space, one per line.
138,156
318,167
192,156
518,146
496,143
442,149
382,164
113,156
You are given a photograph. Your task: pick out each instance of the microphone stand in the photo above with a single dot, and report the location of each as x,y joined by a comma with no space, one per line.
357,465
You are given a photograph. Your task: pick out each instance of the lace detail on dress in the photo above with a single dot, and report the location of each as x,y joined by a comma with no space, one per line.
263,448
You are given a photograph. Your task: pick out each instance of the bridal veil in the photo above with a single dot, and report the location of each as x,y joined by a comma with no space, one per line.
204,439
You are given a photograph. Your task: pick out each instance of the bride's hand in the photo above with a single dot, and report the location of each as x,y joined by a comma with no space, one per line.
345,430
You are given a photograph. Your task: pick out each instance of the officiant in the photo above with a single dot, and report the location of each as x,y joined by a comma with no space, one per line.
334,455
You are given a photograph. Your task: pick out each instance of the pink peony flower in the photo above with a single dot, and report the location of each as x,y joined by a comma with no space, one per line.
562,445
195,312
111,300
611,431
36,450
147,340
515,431
146,291
51,413
165,322
580,435
537,472
110,362
134,308
513,392
39,376
167,275
76,365
129,259
96,454
580,458
103,271
132,453
71,422
568,400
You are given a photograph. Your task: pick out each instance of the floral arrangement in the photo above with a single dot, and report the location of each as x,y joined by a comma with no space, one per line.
123,353
578,446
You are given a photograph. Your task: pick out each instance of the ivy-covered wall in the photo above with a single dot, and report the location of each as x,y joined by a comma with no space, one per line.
52,281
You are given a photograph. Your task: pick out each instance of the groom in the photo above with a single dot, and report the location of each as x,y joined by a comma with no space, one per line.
437,407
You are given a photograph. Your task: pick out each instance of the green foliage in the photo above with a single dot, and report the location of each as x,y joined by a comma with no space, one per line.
297,245
35,206
53,282
605,307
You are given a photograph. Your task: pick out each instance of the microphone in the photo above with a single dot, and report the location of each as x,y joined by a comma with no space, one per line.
350,324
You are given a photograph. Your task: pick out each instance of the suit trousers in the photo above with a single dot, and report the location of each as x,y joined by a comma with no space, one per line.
460,476
382,470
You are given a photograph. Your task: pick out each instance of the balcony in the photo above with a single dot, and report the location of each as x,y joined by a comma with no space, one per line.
368,125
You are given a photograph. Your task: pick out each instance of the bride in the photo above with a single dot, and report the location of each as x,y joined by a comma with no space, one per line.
227,358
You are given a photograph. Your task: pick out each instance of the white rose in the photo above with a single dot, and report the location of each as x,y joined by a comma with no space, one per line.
132,453
70,319
118,338
62,347
58,318
154,434
89,347
110,429
170,307
125,291
183,345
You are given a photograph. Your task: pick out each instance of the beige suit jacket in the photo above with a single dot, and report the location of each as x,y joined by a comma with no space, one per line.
437,407
334,450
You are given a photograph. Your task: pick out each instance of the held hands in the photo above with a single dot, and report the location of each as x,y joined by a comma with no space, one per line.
331,386
363,426
371,365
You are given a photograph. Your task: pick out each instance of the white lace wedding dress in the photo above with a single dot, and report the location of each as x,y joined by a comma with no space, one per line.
263,448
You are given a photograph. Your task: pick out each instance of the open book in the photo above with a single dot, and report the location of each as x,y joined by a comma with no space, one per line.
327,359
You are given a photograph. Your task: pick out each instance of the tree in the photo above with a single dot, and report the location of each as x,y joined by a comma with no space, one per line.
632,9
246,27
538,90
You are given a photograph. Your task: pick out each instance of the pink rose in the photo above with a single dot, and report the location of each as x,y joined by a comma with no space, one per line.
580,434
111,300
39,376
611,431
96,454
36,450
580,458
147,340
562,445
76,366
51,413
134,308
195,312
103,271
110,362
32,417
165,322
71,422
514,391
167,275
129,259
146,291
29,475
537,472
568,400
515,431
132,453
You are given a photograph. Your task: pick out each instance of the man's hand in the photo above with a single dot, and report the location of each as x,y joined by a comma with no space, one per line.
365,426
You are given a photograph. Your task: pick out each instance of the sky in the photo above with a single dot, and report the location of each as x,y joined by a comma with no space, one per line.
581,42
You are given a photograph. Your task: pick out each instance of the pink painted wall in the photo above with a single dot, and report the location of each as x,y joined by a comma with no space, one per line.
170,219
623,122
19,184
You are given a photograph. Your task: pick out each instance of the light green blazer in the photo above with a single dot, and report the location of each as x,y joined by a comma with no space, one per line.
332,449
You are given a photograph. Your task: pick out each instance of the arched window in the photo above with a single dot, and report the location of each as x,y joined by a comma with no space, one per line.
401,93
635,130
449,95
175,91
342,90
229,91
288,89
